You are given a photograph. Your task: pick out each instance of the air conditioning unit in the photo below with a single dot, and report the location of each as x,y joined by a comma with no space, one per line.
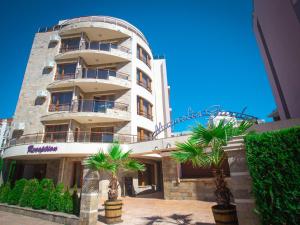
54,38
19,126
49,64
41,94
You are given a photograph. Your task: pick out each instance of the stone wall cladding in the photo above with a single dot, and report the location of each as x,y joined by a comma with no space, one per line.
241,182
186,189
57,217
36,78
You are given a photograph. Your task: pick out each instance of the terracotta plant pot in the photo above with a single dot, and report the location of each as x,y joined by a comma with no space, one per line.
224,216
113,211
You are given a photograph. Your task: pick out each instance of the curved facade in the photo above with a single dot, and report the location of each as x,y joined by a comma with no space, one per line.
89,81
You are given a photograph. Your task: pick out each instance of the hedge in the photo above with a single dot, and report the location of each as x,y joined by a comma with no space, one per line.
274,165
28,194
16,193
40,195
4,192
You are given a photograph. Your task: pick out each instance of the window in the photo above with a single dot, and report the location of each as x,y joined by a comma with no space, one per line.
69,44
61,101
56,133
66,71
144,108
102,134
188,171
143,55
143,80
143,134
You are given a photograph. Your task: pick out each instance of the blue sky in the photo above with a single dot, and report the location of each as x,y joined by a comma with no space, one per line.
212,55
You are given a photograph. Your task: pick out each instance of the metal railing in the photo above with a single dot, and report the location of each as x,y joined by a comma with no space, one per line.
103,74
64,76
73,136
108,47
90,73
147,115
88,105
106,19
144,85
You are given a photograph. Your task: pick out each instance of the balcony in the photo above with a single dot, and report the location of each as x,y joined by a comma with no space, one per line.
95,53
91,79
72,137
89,111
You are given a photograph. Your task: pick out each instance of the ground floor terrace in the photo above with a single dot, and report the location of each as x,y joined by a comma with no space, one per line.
64,162
142,210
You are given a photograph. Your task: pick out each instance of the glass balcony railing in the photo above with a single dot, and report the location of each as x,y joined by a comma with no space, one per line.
91,73
108,47
88,106
73,136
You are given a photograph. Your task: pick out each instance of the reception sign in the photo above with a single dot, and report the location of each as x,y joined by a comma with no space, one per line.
41,149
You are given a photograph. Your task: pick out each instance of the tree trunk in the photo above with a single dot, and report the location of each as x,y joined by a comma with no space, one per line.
113,188
223,194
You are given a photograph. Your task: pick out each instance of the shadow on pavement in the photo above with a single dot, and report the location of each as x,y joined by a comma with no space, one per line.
173,219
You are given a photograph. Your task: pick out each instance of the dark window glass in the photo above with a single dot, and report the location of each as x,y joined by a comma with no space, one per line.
66,71
189,171
56,133
61,101
143,80
143,134
70,44
143,55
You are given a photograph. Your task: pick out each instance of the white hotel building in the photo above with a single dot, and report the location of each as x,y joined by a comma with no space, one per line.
90,81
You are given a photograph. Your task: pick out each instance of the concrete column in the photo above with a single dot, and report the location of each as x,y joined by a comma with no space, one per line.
89,197
241,182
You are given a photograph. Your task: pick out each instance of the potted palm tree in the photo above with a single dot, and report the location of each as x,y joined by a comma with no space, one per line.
114,161
204,149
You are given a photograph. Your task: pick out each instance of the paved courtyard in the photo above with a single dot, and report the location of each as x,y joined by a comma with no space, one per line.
7,218
140,211
149,211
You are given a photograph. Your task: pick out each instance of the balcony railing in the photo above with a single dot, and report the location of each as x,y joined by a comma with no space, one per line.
89,73
88,106
73,136
144,85
95,46
147,115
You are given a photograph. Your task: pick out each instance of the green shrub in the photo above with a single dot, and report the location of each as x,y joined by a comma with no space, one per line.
67,202
28,193
41,196
55,202
1,164
274,164
4,192
16,193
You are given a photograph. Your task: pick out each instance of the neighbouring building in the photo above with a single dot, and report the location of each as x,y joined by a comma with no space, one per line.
277,28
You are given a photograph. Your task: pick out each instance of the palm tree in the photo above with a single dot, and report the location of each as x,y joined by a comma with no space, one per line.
113,161
204,149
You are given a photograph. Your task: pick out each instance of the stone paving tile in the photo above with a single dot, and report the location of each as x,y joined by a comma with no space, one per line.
7,218
147,211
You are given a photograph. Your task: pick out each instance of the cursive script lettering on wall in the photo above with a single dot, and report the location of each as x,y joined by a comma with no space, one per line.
41,149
